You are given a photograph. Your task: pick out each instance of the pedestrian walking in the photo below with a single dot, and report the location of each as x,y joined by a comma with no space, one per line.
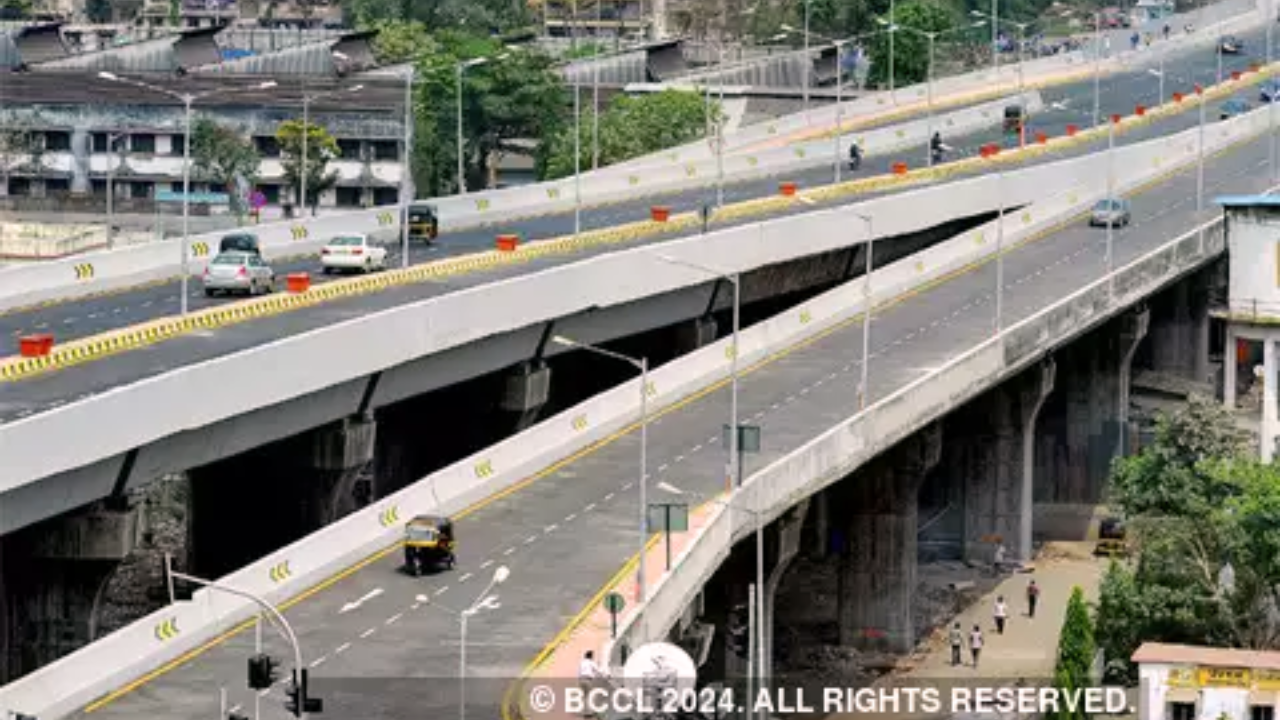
957,641
1033,595
975,644
1001,612
590,676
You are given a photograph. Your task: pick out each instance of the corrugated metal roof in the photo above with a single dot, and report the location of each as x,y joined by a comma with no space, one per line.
270,40
147,56
1248,200
1151,652
314,59
9,55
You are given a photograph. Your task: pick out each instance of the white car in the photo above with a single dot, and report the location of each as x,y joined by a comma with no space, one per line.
352,252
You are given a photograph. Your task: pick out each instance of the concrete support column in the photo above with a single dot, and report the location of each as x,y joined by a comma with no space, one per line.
1172,343
54,575
1200,332
1034,393
527,390
1230,366
695,334
789,530
878,570
1134,327
339,454
821,524
1268,400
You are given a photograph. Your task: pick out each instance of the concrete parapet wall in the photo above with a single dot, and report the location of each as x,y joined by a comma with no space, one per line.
1059,190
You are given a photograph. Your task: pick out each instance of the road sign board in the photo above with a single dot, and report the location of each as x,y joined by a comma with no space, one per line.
195,197
614,602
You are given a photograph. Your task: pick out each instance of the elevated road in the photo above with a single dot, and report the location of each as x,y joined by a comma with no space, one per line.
1068,104
570,528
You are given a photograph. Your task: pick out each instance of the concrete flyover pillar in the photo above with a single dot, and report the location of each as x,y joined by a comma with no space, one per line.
696,333
527,389
1134,327
1230,367
878,569
789,530
338,454
1269,425
52,578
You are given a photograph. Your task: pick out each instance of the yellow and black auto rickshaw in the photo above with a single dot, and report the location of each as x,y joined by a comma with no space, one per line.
1111,538
428,543
423,223
1013,119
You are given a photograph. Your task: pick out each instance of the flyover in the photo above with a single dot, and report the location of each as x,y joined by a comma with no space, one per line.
1070,105
552,203
569,527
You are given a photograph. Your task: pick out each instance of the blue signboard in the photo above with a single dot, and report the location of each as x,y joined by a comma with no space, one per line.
196,197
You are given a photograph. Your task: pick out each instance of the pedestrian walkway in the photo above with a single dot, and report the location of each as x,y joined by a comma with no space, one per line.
1027,651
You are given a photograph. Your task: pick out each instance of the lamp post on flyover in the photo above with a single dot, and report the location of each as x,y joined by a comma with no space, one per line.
734,464
1022,41
807,65
274,614
187,100
406,167
1271,109
764,659
864,389
931,37
1111,198
1159,73
643,365
306,132
1097,68
1200,154
1000,252
112,161
461,68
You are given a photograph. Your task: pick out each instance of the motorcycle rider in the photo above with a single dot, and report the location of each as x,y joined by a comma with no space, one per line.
936,148
855,156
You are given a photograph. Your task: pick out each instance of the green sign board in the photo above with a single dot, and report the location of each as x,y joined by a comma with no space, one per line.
672,518
614,602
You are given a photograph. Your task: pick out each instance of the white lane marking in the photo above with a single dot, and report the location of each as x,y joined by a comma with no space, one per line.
42,326
148,303
446,587
628,486
368,632
804,391
485,564
531,540
508,551
696,448
663,468
95,316
791,398
68,321
117,311
357,603
712,440
775,406
319,661
608,497
465,578
679,458
589,508
264,693
341,648
234,709
570,517
391,620
550,528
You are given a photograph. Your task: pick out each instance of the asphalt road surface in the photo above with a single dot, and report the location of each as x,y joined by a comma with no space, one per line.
1067,104
564,535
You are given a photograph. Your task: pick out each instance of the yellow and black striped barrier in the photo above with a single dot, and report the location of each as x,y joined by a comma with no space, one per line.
299,232
580,423
199,249
484,469
167,630
389,517
84,271
386,218
280,572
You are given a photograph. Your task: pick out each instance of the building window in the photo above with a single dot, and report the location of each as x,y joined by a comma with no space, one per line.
178,146
57,141
143,143
20,187
98,187
347,197
268,146
56,186
349,149
140,190
271,193
1262,712
386,150
1182,711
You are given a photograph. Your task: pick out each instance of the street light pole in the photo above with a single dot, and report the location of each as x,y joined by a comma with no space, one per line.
719,125
1097,68
807,65
483,601
734,476
866,313
892,28
112,158
595,92
1111,198
1271,110
1000,252
839,108
1200,156
306,135
462,179
577,155
406,169
995,41
281,623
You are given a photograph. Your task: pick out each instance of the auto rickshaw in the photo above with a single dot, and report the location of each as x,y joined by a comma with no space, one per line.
1111,538
423,223
428,542
1013,118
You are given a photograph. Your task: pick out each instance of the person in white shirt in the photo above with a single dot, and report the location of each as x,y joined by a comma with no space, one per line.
1001,612
975,644
590,675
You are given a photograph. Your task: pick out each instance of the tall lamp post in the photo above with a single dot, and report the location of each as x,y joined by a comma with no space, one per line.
865,388
1022,42
272,612
483,601
1097,68
187,100
112,160
306,133
642,364
462,67
808,60
931,37
734,476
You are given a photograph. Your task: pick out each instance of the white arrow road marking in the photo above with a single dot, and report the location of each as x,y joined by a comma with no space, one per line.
367,597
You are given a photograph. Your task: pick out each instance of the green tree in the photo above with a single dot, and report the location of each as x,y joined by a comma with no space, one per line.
98,11
322,149
16,8
1076,650
631,127
19,150
910,50
225,158
399,41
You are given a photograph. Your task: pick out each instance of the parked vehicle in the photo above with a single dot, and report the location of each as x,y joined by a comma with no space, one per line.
352,252
1231,45
238,272
1111,538
1014,116
240,242
423,223
1111,211
1232,108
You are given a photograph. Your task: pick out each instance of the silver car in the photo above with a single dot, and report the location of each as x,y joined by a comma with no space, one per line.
1112,211
239,272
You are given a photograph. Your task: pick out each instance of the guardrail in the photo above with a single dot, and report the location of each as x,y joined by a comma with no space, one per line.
69,683
842,449
124,267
